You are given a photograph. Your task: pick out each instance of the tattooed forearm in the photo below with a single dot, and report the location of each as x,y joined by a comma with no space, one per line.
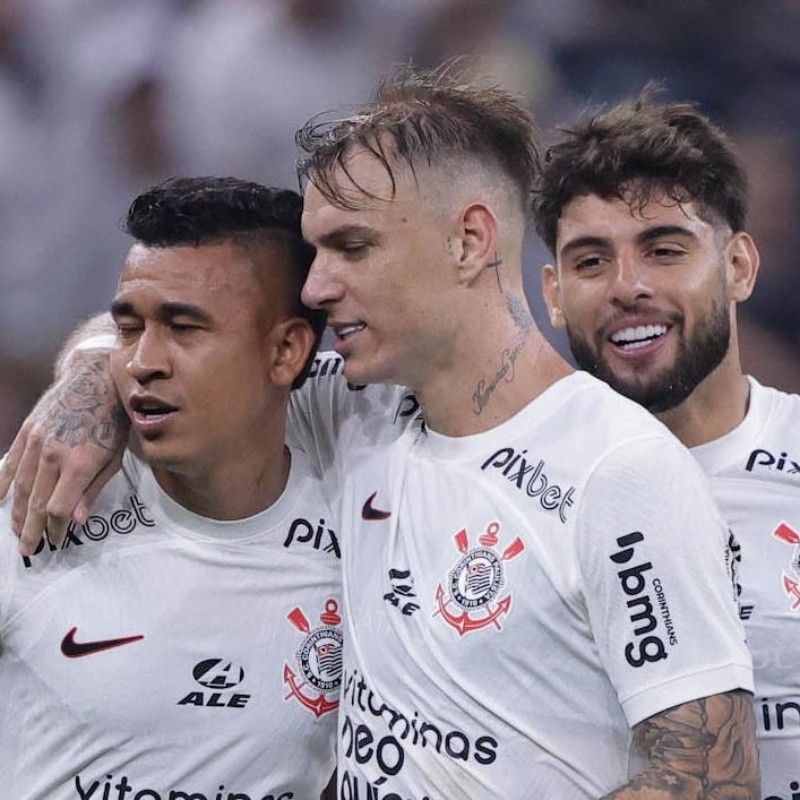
701,750
521,316
83,406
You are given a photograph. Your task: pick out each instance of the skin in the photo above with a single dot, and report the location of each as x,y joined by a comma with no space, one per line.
198,341
661,265
424,289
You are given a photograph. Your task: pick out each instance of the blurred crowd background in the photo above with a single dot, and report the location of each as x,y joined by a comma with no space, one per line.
102,98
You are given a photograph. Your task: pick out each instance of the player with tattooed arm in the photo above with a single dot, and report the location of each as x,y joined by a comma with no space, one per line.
644,207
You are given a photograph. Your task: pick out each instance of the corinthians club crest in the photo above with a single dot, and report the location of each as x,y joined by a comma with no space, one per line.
470,601
319,660
787,534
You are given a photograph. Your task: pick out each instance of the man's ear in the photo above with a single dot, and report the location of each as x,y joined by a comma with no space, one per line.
741,261
291,343
477,242
551,292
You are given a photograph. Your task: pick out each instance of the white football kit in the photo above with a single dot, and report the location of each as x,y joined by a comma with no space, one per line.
516,600
160,655
755,476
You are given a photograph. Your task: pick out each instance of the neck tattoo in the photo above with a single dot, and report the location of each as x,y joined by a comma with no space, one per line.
523,322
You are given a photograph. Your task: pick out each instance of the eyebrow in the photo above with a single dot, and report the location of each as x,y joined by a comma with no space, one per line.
166,311
646,236
337,236
658,231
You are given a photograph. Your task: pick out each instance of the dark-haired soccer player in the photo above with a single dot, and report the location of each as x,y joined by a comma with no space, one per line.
644,207
185,642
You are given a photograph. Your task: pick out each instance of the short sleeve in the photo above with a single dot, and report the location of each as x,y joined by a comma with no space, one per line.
652,550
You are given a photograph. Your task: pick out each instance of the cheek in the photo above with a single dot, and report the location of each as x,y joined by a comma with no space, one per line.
117,366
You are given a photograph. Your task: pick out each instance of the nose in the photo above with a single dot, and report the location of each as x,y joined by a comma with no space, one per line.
322,285
631,280
149,358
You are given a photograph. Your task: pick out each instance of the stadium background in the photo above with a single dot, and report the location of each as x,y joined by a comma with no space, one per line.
101,98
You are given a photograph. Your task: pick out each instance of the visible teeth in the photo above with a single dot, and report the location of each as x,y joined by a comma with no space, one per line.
348,329
641,335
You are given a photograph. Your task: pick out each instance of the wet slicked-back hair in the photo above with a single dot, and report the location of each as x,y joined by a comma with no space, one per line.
210,210
422,119
636,148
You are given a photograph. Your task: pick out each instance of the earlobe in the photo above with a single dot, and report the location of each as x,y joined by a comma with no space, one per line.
552,295
292,341
743,262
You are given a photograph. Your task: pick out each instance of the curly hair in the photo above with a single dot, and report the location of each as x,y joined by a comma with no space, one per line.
423,117
211,210
634,149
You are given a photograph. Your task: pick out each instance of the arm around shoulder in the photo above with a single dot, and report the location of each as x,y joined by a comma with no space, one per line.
71,442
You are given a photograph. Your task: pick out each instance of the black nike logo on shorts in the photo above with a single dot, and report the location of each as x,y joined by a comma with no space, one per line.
372,514
72,649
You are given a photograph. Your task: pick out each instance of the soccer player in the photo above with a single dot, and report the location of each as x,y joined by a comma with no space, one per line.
185,641
644,207
536,577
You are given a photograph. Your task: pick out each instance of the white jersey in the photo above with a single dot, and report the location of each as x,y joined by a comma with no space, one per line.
755,476
161,655
517,600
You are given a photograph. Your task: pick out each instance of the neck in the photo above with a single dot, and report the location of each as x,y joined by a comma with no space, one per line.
716,406
236,488
500,365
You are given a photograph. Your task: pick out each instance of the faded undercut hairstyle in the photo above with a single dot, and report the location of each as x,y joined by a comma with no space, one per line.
636,148
210,210
421,119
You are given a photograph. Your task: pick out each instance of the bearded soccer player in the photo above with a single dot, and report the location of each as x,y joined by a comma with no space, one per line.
537,595
185,641
644,207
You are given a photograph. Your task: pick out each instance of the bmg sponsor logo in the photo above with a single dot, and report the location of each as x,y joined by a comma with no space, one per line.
647,645
794,788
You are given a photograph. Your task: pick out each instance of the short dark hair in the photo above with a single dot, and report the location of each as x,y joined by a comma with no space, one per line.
638,147
418,117
210,210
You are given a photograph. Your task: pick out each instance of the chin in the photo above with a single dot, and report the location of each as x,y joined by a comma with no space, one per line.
360,373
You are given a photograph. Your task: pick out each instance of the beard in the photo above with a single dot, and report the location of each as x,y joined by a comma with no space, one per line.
697,357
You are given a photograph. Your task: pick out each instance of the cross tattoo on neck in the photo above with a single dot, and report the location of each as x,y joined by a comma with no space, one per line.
495,264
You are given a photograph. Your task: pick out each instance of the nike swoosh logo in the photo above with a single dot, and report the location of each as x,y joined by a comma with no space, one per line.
370,513
72,649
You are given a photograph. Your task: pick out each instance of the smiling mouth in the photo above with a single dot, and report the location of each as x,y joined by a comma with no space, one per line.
349,330
635,338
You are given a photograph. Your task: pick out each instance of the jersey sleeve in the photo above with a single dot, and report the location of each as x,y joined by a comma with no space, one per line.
330,419
652,550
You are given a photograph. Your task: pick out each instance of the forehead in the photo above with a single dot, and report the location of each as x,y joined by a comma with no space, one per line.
614,219
366,184
209,273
